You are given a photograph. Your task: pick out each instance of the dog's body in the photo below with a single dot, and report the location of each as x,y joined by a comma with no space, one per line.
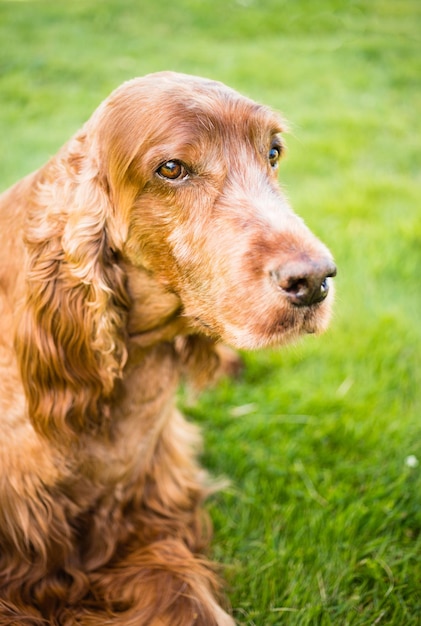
156,232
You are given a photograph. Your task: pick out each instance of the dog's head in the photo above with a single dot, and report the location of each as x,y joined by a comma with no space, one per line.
171,184
192,169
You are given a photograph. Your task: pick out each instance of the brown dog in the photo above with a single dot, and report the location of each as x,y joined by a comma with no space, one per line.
154,233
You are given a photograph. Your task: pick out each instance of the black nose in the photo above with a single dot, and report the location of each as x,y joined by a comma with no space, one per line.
305,282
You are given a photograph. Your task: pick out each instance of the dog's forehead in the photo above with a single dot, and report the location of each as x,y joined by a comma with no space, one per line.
205,104
214,103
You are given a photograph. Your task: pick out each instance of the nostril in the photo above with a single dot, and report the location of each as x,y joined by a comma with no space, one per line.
324,287
301,290
305,283
294,285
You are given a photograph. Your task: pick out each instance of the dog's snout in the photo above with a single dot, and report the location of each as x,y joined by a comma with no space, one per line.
305,282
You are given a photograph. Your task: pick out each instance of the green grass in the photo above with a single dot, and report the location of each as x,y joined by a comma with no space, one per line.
321,524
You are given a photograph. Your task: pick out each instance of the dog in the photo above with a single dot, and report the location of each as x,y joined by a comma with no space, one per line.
157,236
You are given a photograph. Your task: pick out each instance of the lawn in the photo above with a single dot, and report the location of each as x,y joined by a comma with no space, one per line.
322,440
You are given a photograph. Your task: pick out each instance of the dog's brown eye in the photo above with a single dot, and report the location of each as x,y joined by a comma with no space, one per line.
274,155
172,170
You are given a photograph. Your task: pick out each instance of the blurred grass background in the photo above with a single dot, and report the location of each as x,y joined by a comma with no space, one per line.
322,440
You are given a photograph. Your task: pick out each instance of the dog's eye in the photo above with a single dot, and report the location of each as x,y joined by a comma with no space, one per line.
172,170
274,155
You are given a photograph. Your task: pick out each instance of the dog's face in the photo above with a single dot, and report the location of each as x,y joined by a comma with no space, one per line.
192,170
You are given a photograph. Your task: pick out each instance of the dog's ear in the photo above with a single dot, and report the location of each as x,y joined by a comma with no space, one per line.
70,340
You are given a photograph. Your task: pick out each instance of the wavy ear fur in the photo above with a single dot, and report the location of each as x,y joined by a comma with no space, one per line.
71,340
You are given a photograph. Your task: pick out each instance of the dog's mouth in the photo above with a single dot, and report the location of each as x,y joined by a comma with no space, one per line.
270,327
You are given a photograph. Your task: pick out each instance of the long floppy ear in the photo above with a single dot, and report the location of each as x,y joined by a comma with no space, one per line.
70,341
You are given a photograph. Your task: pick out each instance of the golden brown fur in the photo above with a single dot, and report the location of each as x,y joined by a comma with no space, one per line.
115,279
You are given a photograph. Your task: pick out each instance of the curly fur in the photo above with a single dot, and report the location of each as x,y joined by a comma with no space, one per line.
114,281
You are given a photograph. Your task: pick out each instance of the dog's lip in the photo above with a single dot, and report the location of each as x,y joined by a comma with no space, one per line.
303,320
